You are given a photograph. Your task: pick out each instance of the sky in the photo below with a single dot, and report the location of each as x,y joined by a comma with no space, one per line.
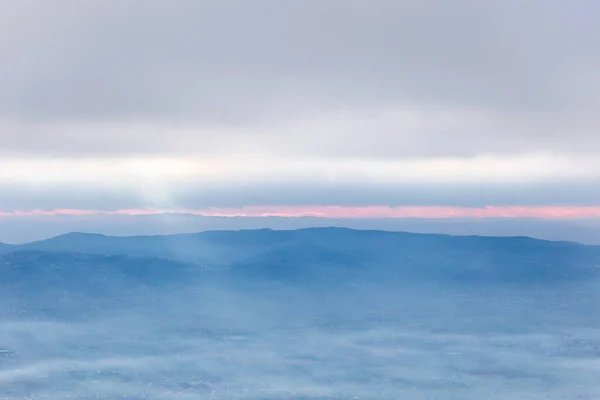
328,108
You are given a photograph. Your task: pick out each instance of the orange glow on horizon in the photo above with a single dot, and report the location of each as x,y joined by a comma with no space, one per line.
358,212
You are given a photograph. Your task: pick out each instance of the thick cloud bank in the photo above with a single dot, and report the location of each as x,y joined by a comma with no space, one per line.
163,103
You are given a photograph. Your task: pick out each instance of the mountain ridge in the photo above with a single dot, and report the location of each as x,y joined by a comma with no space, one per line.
242,231
340,253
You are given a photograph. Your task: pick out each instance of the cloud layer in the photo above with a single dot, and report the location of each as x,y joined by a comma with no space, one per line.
367,93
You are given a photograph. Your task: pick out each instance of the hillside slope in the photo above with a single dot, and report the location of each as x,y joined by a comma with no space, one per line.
337,252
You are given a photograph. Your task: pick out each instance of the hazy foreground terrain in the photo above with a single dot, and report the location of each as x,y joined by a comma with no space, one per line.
306,314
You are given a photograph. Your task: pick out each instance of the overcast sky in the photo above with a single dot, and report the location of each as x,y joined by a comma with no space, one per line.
191,104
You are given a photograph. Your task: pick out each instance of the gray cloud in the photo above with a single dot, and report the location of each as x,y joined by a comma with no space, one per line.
189,196
362,78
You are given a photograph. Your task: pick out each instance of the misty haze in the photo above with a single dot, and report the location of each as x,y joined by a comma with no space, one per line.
299,200
327,313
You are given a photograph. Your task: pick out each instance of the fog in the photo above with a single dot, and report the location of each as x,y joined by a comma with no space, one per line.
213,337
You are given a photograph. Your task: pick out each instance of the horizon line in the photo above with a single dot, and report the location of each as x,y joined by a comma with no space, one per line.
334,212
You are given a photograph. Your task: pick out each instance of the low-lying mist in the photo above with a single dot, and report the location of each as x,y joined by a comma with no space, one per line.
193,332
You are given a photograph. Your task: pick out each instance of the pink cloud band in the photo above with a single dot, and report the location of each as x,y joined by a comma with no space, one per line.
549,212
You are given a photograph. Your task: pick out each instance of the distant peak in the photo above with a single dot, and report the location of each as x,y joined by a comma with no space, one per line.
72,236
78,234
322,228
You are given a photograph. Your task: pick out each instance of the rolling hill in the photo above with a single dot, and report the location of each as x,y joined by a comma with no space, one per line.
337,253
